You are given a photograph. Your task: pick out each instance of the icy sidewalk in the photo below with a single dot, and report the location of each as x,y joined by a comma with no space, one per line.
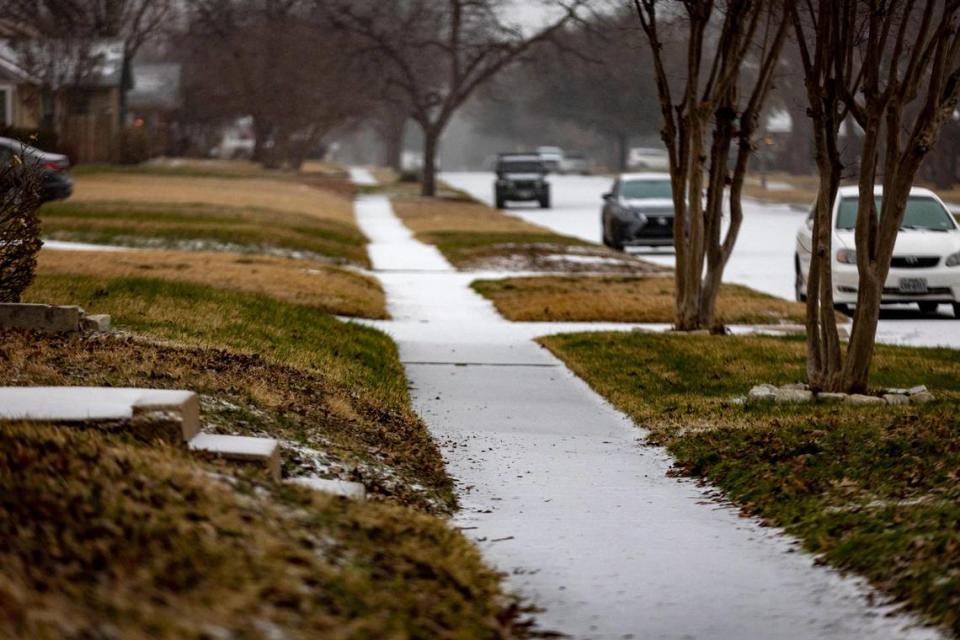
559,494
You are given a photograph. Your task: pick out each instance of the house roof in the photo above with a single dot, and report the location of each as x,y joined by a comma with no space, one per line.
10,71
155,86
91,63
13,29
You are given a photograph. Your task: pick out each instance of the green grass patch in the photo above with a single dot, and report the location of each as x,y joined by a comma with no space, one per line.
875,490
198,315
202,226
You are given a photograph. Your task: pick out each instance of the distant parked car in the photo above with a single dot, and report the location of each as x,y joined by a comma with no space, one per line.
926,261
575,164
638,211
521,177
55,180
235,146
552,158
648,159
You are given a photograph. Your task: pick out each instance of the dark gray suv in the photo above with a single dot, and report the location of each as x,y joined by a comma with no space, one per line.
638,211
53,168
521,177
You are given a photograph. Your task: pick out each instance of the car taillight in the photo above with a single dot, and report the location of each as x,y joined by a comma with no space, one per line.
55,166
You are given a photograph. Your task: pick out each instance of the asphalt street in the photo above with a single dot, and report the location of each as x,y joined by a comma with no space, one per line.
763,258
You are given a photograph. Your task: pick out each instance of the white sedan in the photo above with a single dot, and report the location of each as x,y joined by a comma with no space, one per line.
926,261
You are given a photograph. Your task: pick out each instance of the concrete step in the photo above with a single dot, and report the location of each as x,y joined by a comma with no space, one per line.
46,318
95,323
262,451
172,415
343,488
50,318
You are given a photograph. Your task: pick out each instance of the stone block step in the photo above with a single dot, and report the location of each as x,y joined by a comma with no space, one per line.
263,451
178,411
337,487
46,318
95,323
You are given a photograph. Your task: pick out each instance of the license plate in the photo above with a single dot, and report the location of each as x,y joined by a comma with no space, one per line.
524,194
913,285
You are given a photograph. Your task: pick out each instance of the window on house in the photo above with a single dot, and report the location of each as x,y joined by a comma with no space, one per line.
6,107
46,110
79,103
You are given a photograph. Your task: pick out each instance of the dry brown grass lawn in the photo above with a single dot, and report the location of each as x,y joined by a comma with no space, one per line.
101,537
316,285
246,394
473,236
425,216
803,189
262,193
384,175
623,299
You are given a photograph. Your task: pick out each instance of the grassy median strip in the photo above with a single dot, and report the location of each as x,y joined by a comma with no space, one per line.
623,299
474,236
875,490
250,213
313,284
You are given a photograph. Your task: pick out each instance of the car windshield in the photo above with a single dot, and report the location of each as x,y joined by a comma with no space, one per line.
520,167
639,189
922,213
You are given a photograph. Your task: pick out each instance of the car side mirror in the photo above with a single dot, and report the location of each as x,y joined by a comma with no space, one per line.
810,223
608,196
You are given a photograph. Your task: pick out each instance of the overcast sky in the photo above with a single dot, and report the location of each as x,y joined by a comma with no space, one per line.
530,13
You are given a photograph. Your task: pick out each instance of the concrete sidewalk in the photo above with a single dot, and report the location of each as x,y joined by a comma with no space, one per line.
559,493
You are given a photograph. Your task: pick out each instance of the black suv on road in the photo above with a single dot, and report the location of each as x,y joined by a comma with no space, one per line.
638,211
521,177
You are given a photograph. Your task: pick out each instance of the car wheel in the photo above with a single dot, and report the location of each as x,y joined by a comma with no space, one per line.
956,310
843,308
799,287
928,307
501,202
545,201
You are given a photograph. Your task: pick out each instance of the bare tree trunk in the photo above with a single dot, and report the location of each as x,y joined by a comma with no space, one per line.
261,131
392,129
798,156
428,182
713,219
623,149
824,359
689,240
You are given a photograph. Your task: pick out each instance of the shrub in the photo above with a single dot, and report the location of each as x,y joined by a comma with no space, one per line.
408,175
19,226
134,146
